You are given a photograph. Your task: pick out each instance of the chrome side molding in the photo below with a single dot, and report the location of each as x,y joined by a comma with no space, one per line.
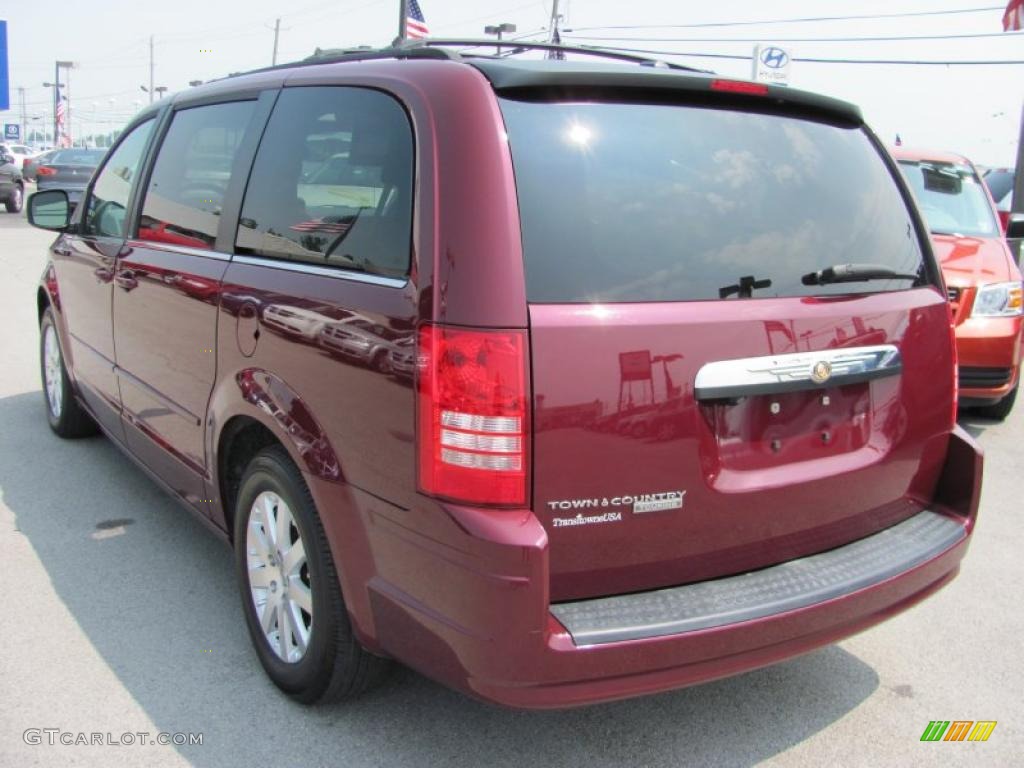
796,371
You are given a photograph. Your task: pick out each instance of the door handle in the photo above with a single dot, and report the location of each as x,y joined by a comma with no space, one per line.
103,275
126,279
62,251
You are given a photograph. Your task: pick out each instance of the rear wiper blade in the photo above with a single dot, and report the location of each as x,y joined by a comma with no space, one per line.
855,273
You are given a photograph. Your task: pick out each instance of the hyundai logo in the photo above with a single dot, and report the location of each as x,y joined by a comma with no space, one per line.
775,58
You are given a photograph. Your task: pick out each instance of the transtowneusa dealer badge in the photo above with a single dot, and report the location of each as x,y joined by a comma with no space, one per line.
608,509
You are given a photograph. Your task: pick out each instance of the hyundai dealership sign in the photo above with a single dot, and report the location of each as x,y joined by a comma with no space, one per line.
5,85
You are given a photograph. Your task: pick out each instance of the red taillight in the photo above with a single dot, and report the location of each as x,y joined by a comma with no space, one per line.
1004,219
956,365
739,86
473,415
45,170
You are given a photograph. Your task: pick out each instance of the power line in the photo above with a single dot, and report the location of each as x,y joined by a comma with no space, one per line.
814,60
774,39
795,21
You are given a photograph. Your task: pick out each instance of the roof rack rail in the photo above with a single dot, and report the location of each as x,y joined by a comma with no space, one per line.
439,49
518,46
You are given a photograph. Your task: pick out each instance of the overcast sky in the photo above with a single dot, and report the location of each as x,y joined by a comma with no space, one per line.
971,109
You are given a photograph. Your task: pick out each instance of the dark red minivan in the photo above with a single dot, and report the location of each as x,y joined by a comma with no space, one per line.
557,381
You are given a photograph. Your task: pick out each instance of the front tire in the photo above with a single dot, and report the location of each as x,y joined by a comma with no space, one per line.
290,592
64,413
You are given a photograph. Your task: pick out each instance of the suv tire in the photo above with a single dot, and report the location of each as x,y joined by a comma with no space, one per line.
15,202
999,411
64,413
274,515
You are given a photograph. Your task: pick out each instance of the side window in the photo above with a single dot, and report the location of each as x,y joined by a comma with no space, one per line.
108,201
191,175
332,183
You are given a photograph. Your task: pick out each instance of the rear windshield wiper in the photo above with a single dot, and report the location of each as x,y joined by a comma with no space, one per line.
855,273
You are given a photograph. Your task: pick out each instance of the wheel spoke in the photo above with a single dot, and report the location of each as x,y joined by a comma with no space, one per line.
283,629
270,516
300,594
293,559
260,577
283,538
269,613
299,632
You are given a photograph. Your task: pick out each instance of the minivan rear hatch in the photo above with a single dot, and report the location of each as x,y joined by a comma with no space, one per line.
705,400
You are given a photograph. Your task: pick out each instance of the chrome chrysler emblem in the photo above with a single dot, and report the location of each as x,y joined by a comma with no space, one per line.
821,372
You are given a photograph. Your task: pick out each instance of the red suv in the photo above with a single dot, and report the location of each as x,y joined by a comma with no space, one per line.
982,277
668,391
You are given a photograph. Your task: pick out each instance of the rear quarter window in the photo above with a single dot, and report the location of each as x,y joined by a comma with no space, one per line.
626,202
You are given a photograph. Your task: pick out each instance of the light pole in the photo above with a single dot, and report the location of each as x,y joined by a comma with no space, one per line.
499,30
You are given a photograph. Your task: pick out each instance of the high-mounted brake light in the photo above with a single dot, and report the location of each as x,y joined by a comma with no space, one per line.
739,86
473,415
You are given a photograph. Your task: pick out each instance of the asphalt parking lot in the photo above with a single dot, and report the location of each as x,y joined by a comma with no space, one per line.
121,615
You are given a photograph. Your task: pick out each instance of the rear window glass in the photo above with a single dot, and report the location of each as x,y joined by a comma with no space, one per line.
951,198
654,202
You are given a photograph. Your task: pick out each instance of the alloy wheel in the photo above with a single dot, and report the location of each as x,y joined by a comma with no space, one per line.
279,579
52,372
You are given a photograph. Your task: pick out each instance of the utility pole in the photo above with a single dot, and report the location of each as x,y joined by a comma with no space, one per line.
21,107
403,14
151,65
553,25
277,32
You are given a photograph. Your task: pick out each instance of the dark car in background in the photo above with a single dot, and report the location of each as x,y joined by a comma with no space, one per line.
12,185
538,245
31,165
70,170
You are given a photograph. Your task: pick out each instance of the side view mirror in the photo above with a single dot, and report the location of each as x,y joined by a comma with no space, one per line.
49,209
1015,226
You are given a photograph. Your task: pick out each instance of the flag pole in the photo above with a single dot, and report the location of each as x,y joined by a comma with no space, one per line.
403,14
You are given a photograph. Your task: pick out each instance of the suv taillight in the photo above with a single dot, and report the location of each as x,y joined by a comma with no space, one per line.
473,415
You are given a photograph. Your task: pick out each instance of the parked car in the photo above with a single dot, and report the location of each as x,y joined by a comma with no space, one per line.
982,277
1000,185
360,339
12,185
20,152
530,561
69,170
31,164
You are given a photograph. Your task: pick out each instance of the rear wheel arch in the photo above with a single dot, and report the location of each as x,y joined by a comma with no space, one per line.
42,303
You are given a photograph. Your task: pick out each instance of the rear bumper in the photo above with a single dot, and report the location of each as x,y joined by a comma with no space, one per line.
462,596
987,347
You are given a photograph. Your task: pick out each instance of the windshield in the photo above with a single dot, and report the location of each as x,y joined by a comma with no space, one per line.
624,202
951,198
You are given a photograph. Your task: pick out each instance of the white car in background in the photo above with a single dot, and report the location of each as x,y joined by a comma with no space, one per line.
20,153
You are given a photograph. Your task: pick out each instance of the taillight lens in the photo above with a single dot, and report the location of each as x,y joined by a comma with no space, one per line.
473,404
956,365
45,170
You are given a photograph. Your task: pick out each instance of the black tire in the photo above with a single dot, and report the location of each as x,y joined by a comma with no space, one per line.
380,362
16,201
999,411
334,666
69,419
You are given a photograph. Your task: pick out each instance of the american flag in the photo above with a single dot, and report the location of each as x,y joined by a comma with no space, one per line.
320,225
415,24
61,140
1013,19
